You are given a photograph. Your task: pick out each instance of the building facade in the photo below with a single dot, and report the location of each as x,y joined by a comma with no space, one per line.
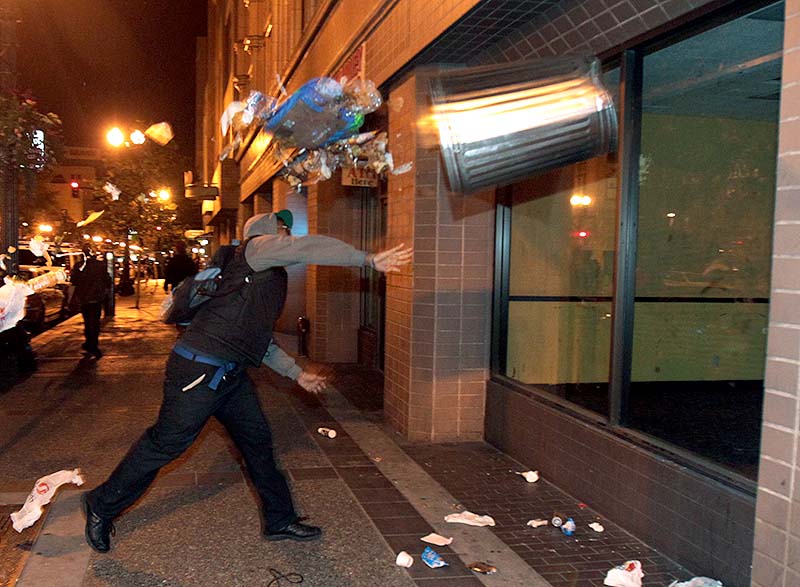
626,325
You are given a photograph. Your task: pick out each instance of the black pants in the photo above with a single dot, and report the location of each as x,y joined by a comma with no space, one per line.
91,324
183,415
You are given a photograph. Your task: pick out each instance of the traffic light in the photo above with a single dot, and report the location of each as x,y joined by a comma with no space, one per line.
76,188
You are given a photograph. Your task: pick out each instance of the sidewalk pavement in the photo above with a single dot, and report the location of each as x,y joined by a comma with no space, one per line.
198,525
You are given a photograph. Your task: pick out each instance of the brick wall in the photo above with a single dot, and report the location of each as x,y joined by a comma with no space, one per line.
333,293
436,362
284,197
399,287
776,560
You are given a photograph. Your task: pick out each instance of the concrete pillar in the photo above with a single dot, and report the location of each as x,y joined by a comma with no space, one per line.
777,528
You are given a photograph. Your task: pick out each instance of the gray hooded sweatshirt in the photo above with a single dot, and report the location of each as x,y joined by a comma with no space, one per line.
268,249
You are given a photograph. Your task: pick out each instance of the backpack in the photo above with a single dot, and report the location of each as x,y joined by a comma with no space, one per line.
186,299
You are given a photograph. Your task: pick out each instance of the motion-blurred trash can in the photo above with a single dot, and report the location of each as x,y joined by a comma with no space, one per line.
497,124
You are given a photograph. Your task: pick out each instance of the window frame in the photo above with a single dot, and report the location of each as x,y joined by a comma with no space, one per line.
630,58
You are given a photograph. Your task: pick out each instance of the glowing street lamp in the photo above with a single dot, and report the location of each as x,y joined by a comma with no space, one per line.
137,137
115,137
45,228
164,195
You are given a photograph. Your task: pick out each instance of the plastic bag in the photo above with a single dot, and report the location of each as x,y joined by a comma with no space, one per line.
431,558
42,493
12,302
697,582
628,575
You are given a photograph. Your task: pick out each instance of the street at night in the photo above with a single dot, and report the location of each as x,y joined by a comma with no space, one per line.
399,293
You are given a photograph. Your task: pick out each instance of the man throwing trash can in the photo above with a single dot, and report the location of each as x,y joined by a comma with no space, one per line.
206,376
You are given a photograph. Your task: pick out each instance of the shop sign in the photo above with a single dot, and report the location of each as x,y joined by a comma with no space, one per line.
359,177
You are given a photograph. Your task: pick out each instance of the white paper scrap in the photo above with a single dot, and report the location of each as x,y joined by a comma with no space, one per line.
596,526
529,476
436,539
470,519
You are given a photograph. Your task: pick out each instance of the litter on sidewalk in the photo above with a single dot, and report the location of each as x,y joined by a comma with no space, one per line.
437,539
483,568
697,582
404,559
628,575
538,522
529,476
329,432
431,558
596,526
568,527
558,519
42,493
470,519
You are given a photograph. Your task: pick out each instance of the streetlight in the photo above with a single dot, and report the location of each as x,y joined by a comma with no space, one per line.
137,137
115,137
45,228
164,195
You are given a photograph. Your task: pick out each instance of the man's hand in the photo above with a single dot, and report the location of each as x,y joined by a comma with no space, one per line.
390,260
312,382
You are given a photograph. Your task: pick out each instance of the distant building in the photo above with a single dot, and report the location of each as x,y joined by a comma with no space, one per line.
78,165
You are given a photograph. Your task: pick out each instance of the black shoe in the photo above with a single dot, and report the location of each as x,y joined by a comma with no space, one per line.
98,531
295,531
97,353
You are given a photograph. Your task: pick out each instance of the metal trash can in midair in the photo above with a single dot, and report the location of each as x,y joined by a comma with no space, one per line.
497,124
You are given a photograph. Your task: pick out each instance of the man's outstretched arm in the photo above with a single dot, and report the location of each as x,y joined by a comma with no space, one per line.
277,360
268,251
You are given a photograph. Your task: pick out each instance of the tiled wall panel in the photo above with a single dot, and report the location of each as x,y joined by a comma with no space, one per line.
777,539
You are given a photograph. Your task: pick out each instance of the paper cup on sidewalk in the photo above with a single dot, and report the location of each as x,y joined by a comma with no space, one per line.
404,559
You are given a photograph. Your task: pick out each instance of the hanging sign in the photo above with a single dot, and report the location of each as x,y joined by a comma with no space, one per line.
359,177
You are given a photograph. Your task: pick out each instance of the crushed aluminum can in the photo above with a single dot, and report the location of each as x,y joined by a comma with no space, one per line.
558,519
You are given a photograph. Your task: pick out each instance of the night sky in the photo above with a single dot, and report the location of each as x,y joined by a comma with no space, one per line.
100,63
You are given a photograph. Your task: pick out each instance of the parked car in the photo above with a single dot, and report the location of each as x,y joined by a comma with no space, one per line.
46,304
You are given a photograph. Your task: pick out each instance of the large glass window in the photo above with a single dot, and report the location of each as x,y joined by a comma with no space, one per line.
709,128
561,265
707,188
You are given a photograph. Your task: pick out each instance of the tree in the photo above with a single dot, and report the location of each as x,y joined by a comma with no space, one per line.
29,141
128,192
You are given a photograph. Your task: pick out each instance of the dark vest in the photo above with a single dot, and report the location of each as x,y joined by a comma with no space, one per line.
237,326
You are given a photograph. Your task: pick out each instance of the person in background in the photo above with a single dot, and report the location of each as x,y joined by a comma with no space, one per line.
179,267
92,282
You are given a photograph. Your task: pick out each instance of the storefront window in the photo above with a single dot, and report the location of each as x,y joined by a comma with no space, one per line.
561,243
707,188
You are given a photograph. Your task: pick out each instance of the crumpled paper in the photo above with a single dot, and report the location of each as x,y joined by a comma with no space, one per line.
628,575
529,476
42,493
437,539
470,519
